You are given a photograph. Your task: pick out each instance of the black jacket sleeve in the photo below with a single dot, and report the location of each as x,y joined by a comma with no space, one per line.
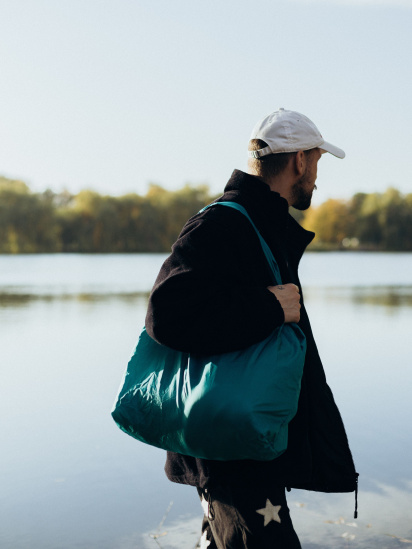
211,293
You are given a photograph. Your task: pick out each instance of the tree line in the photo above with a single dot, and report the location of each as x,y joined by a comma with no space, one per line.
89,222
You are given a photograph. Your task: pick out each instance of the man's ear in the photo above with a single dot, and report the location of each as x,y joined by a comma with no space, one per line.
300,163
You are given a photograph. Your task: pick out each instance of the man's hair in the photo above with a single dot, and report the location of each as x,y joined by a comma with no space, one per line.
271,164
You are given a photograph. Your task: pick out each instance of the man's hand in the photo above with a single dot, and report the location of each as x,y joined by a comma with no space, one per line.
288,297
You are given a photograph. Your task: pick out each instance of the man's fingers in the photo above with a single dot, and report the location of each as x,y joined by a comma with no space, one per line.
290,285
289,298
287,288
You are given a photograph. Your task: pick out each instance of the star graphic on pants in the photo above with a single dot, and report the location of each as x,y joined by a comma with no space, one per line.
205,506
204,543
270,512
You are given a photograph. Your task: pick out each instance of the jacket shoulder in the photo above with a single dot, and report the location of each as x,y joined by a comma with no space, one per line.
216,220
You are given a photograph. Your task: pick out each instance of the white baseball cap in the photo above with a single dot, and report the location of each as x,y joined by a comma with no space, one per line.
289,131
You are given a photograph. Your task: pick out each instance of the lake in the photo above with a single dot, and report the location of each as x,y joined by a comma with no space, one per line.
70,478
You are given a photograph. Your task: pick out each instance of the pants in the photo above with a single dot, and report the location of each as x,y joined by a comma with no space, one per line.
246,517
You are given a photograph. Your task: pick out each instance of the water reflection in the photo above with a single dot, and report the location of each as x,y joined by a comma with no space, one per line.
384,296
24,299
322,523
390,297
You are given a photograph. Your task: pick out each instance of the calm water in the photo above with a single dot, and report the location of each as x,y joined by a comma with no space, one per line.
70,479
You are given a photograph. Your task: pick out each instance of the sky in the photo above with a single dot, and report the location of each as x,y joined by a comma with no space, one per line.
112,95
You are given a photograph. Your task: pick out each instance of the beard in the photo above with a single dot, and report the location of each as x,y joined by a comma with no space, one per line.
301,196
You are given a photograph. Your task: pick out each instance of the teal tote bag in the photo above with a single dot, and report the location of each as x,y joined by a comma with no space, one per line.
228,406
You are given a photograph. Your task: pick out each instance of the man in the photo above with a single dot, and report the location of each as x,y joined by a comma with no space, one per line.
214,294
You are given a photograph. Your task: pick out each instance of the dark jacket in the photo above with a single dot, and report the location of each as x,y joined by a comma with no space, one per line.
211,297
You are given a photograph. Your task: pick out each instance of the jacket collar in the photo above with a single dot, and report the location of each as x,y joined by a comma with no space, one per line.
264,204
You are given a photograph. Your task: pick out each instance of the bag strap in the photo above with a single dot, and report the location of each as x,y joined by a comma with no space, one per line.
266,250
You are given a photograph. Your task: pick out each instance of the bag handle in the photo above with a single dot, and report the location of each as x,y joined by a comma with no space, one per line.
266,250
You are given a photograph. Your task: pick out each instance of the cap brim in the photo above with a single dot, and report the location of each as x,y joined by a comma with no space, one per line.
328,147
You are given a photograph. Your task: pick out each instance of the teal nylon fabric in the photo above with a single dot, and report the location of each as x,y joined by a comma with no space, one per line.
230,406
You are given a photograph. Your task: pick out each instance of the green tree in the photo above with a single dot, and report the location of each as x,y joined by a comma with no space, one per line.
368,227
27,221
393,219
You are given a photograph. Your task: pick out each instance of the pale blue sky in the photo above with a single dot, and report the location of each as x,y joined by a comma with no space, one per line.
113,94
